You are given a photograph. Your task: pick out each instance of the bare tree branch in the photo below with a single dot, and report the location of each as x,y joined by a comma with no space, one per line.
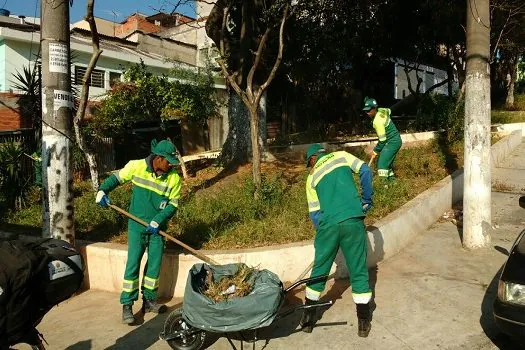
84,95
409,80
435,86
92,63
496,44
231,79
277,60
258,55
223,30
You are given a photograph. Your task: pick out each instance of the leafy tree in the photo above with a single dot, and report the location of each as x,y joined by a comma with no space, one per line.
146,97
244,31
507,45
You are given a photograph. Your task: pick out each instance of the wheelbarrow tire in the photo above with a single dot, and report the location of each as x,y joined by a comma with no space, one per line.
176,323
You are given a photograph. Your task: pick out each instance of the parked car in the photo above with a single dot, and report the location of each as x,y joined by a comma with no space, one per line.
509,306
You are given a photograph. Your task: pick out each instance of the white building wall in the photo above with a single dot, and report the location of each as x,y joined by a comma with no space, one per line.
429,75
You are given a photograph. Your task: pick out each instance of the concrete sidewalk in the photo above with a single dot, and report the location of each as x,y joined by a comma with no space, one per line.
432,295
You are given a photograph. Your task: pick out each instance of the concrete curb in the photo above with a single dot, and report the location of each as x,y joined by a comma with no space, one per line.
509,127
105,262
501,149
301,148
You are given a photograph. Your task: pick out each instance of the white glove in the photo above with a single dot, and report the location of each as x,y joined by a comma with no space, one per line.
102,199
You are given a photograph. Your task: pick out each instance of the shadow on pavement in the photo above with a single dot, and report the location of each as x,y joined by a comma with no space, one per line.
145,335
81,345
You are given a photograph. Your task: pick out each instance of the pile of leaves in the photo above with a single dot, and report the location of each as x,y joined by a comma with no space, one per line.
239,284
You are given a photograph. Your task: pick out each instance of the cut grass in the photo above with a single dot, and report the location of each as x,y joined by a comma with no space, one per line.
224,215
239,284
506,117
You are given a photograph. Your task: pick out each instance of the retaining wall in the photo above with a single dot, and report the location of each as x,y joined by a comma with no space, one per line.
106,261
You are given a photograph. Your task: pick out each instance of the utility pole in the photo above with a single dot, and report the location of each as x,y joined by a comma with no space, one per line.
57,103
477,221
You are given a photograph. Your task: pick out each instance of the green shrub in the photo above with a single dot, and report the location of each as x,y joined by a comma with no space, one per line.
14,182
440,112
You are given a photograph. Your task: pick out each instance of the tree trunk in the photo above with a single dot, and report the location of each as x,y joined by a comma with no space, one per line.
182,165
235,148
90,155
477,176
256,149
511,80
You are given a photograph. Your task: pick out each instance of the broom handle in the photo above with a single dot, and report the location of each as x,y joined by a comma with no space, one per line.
302,275
167,236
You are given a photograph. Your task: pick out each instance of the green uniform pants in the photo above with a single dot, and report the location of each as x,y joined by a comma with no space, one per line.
387,156
138,241
350,235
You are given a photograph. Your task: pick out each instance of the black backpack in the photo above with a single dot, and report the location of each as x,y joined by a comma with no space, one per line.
34,277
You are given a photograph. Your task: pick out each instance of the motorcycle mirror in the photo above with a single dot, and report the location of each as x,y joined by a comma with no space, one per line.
522,202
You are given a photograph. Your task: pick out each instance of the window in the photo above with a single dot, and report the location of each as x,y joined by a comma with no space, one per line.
96,79
114,78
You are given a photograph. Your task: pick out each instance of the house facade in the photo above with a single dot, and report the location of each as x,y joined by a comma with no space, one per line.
20,47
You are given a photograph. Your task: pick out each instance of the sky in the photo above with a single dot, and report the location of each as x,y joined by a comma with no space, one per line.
114,10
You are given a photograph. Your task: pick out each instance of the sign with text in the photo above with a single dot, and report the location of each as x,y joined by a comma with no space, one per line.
58,58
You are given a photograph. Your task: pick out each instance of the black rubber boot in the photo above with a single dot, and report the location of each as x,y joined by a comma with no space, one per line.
127,314
308,319
153,306
363,319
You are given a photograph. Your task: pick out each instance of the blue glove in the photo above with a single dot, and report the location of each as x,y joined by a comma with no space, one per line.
102,199
366,207
153,228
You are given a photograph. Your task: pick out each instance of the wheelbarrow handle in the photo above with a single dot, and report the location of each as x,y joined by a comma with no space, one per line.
303,307
167,236
306,280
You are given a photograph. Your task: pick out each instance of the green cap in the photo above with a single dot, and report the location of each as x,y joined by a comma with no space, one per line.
166,149
369,104
312,151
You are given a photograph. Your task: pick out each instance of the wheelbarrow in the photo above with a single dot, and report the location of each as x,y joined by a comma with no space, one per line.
189,327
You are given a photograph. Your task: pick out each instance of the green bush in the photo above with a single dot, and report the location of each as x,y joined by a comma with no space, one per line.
14,182
440,112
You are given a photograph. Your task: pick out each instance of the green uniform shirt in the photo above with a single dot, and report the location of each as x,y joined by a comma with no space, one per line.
330,188
153,197
385,128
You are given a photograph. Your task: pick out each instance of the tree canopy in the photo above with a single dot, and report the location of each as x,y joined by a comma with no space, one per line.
143,96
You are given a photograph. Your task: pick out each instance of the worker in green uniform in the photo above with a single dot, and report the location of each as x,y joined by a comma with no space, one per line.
155,194
338,213
389,138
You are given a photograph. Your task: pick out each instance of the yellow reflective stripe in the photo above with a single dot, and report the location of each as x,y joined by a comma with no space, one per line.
383,172
326,168
311,195
314,206
118,178
386,112
174,202
355,163
130,286
175,190
148,183
137,171
312,294
125,174
150,283
362,298
380,124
